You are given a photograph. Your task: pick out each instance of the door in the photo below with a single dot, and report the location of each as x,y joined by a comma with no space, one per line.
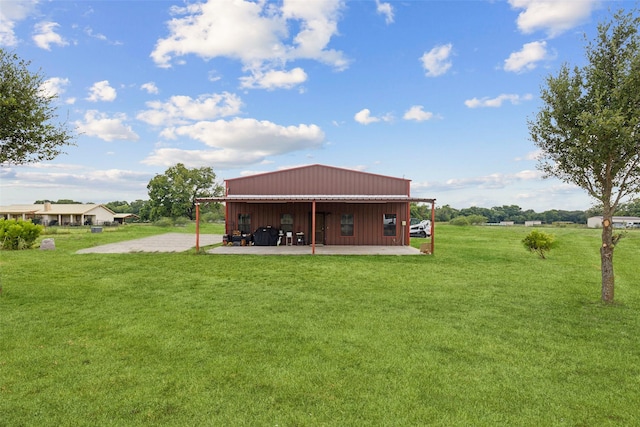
320,228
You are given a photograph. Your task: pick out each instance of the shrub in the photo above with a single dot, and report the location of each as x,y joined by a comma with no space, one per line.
459,220
181,221
210,217
477,219
18,234
538,242
164,222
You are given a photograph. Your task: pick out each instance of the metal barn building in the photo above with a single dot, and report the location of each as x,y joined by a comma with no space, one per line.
320,205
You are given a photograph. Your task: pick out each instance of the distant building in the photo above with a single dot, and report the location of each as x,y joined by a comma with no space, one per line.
60,214
618,222
532,223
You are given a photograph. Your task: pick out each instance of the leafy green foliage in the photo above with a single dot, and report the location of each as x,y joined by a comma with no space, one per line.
539,242
27,130
173,194
163,222
18,234
588,129
510,213
460,220
468,220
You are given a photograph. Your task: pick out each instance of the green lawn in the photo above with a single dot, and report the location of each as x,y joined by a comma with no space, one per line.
482,333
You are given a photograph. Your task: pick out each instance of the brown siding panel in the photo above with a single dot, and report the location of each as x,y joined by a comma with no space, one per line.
368,224
317,179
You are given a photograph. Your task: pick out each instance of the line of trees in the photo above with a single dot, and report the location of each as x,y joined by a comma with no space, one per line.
515,213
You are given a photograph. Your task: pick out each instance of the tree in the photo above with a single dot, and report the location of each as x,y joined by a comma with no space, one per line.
173,193
538,242
420,211
28,133
631,208
446,213
588,127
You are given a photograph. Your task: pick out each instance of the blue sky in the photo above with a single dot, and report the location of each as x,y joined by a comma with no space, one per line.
438,92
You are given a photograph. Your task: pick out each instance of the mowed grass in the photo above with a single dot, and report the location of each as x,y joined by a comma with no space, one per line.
482,333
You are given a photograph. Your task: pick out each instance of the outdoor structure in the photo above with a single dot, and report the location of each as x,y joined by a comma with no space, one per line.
121,218
59,214
532,223
319,205
618,222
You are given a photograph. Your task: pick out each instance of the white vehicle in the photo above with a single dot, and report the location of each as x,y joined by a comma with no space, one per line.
421,229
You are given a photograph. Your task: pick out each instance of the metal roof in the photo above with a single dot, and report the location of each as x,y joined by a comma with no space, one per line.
317,197
52,209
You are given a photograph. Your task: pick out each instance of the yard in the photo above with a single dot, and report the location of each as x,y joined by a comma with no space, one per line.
482,333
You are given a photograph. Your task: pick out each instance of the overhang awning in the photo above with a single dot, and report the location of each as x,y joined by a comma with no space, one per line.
346,198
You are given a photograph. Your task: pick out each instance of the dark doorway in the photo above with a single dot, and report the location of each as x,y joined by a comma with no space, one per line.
320,228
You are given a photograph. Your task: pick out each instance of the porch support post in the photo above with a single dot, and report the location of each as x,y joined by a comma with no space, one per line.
226,219
197,227
406,231
313,227
433,225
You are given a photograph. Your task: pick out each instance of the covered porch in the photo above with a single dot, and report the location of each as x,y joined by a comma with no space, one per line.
380,221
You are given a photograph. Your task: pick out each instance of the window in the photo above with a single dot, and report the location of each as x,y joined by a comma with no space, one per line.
244,223
389,223
346,225
286,223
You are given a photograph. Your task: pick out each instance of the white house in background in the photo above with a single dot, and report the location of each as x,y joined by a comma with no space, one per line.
60,214
618,222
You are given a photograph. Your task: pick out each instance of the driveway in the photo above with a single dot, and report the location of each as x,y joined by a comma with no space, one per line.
169,242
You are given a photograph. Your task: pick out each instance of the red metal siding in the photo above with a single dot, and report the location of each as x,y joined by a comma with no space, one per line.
368,224
317,180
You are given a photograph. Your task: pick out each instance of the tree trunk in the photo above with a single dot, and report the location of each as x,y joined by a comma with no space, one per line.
606,259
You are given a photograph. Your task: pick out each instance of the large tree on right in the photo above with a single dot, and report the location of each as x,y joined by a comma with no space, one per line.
588,128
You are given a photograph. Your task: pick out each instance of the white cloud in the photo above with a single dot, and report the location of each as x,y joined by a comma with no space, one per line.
57,181
255,33
552,16
183,109
364,117
385,9
55,86
150,87
417,113
106,128
527,58
251,134
528,175
274,79
237,142
491,181
89,31
101,91
436,62
531,155
45,35
497,101
12,12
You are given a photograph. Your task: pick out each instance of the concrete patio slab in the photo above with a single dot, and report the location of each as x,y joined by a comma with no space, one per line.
320,250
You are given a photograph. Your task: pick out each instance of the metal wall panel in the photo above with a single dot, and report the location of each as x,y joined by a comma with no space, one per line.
317,180
368,220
